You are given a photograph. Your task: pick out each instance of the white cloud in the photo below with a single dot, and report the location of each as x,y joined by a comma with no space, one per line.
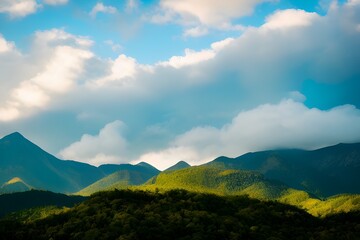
28,95
61,61
289,18
204,13
55,2
166,158
196,31
8,114
60,37
192,57
122,69
101,8
288,124
62,70
5,46
106,147
18,8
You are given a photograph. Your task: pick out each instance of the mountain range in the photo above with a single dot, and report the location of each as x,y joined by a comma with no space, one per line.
22,159
324,172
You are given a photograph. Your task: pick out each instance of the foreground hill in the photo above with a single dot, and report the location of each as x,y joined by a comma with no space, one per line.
179,214
222,181
323,172
22,159
25,200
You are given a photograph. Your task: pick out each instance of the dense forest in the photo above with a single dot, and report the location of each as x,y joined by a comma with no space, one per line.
179,214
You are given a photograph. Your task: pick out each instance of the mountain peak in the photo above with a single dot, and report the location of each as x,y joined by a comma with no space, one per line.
15,136
144,164
179,165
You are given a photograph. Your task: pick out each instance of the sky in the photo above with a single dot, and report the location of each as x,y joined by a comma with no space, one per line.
160,81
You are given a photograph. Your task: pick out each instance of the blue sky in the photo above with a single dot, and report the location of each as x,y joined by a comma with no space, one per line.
122,81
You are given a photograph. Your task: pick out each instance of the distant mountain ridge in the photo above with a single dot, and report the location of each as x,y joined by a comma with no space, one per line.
15,185
178,166
23,159
324,172
126,175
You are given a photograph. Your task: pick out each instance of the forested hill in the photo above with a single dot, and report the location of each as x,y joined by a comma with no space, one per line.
30,199
179,214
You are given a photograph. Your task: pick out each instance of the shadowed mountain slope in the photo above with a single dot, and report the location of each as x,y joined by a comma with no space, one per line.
23,159
324,172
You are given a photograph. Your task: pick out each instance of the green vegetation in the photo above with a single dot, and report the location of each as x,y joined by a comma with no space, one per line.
125,176
34,198
23,160
119,180
178,166
179,214
217,179
41,170
267,176
205,179
324,172
335,204
33,214
15,185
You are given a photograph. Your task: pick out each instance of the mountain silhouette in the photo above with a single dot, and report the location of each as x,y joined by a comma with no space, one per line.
20,158
323,172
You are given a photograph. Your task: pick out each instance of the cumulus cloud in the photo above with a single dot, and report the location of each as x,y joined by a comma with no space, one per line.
5,46
106,147
18,8
192,57
64,63
101,8
204,13
122,68
300,46
288,124
289,18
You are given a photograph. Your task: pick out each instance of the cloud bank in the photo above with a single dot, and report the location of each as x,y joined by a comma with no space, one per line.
288,124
